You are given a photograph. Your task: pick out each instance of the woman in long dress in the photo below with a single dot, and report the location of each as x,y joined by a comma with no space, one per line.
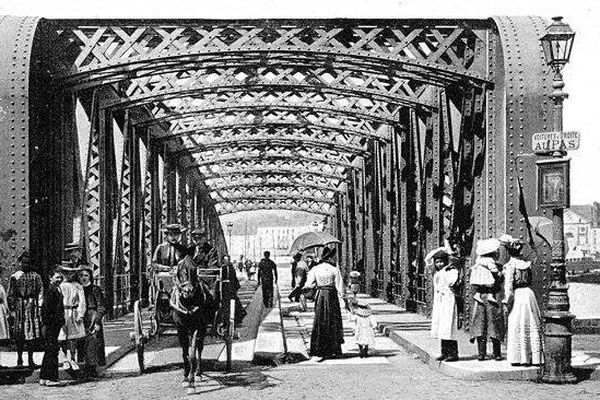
524,339
91,348
327,334
444,314
74,304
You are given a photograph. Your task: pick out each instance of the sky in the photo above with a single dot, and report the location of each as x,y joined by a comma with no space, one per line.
581,77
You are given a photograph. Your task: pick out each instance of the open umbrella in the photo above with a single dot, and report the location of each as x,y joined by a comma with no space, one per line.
312,239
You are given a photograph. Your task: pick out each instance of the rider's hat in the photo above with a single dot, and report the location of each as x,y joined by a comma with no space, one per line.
174,228
199,232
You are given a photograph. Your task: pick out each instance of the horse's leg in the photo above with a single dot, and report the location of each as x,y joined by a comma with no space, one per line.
200,346
184,343
193,361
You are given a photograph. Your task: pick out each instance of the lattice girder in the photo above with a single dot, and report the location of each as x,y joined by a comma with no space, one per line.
247,116
273,192
275,152
446,47
270,166
211,139
268,183
382,87
251,178
228,207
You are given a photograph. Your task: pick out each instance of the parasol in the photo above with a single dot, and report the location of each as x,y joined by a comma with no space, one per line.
312,239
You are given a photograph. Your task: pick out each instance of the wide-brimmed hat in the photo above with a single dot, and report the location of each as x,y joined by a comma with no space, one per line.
199,232
487,246
328,252
174,228
440,252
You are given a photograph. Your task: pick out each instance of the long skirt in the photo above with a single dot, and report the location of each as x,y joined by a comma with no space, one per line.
328,333
524,344
90,350
4,327
487,319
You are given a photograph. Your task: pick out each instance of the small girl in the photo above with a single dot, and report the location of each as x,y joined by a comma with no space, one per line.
364,328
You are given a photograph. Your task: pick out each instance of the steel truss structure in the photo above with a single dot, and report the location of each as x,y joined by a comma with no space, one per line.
401,132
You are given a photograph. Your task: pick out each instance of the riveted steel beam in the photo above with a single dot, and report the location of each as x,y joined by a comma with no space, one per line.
267,157
313,207
259,183
267,170
267,141
332,111
196,127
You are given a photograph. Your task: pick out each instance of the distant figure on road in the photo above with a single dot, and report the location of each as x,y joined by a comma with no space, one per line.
297,257
327,334
301,273
267,275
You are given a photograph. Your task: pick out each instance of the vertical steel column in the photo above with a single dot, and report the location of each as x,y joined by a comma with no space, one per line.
170,188
182,209
408,200
149,213
69,169
137,213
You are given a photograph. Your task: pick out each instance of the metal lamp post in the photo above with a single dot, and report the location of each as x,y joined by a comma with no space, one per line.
557,44
229,230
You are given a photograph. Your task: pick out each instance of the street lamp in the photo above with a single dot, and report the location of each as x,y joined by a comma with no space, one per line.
229,230
557,44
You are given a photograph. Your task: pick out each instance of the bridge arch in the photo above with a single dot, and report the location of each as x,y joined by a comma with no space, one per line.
401,132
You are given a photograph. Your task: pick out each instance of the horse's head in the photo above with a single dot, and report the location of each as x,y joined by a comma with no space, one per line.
187,290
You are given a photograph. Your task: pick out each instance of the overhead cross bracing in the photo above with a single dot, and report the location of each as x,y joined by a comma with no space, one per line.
200,76
401,132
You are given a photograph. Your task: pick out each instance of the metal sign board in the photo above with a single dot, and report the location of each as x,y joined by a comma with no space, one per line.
546,142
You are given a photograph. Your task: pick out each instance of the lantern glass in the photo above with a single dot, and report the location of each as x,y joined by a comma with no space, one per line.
558,42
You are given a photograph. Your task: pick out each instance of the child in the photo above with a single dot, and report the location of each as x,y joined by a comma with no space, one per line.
444,313
364,326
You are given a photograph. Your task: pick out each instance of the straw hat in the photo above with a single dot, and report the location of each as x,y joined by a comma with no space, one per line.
487,246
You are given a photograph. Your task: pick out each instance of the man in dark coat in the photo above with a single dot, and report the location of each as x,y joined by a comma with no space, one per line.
53,318
169,253
203,253
267,275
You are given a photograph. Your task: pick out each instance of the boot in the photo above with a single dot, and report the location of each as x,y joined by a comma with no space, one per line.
497,350
361,351
452,346
444,351
481,348
366,350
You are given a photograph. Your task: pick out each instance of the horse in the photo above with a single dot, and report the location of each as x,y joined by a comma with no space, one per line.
193,309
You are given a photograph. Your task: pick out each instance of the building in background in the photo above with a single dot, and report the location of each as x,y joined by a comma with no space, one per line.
582,232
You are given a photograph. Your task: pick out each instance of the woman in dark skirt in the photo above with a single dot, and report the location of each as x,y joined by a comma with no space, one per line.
327,333
91,348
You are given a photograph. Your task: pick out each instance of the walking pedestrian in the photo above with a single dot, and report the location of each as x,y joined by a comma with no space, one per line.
91,350
301,272
487,318
25,293
364,327
327,334
297,257
444,314
231,285
524,339
267,276
53,318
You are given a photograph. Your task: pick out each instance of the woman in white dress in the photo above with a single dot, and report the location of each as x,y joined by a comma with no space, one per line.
524,342
327,334
75,306
444,314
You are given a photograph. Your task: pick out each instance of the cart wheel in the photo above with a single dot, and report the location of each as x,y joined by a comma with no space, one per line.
153,325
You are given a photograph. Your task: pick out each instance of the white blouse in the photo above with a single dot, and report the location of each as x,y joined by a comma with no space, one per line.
325,274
